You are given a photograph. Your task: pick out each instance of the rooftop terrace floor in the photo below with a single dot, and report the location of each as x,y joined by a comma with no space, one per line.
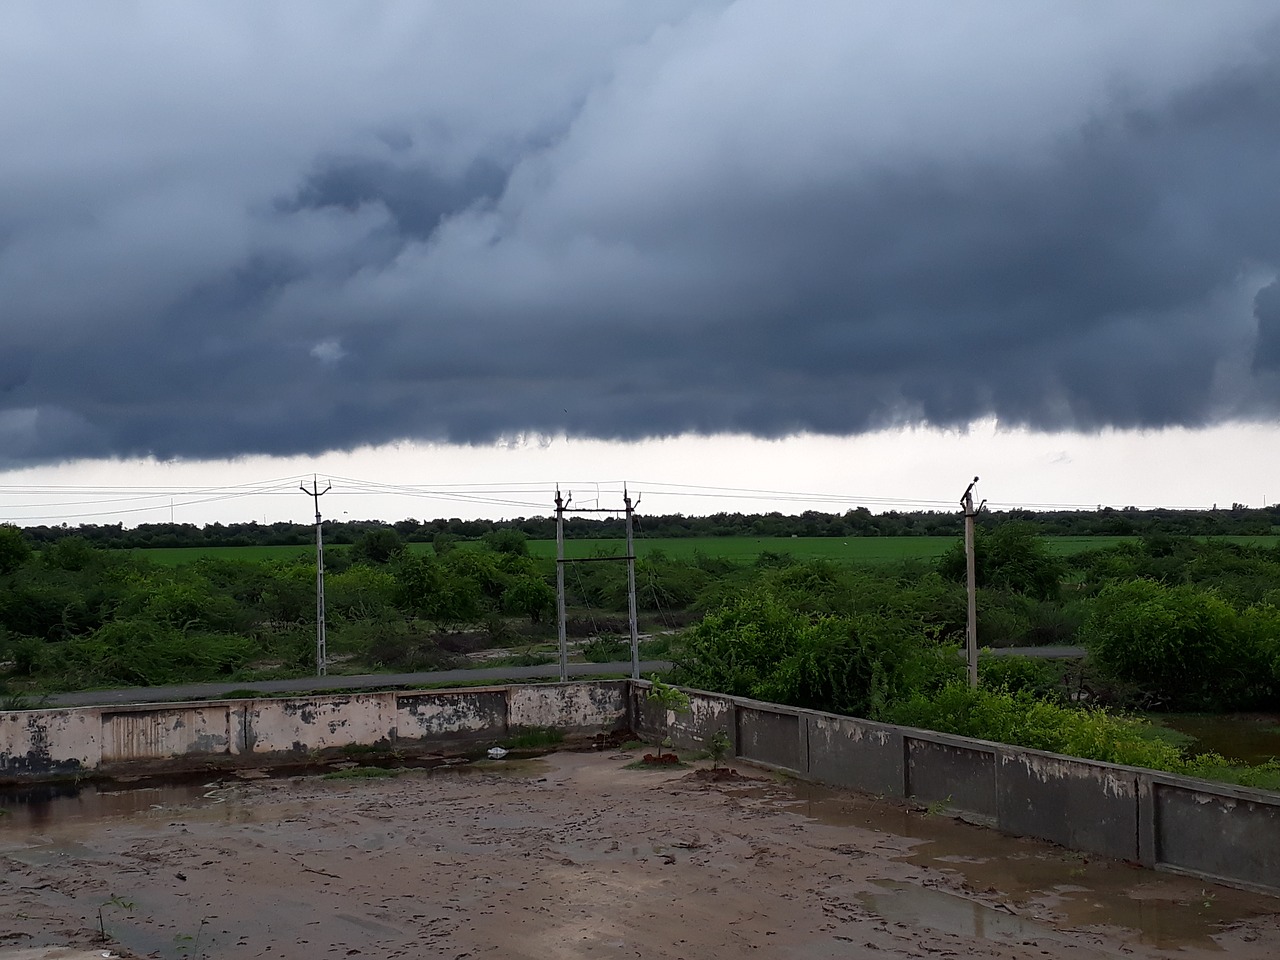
575,855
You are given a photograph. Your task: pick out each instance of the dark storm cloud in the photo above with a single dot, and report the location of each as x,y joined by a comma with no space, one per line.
224,231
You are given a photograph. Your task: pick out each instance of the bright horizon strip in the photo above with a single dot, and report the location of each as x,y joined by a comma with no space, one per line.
905,470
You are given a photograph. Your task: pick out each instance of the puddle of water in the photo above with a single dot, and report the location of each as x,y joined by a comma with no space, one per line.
1251,738
950,913
1038,881
39,807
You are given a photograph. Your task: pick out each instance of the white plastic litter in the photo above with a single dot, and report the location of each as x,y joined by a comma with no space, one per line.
496,753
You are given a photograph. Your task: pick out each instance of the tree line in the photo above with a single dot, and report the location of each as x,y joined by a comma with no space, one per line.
861,522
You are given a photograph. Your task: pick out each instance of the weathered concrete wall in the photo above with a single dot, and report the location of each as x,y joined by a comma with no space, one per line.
1210,830
1085,806
35,743
571,707
707,714
48,743
1228,833
772,737
957,773
845,752
462,714
173,732
320,723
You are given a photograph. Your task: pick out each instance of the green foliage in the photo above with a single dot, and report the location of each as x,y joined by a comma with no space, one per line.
1213,766
378,546
395,644
718,748
1021,719
1011,557
14,549
759,646
606,650
149,653
1187,649
443,542
360,593
534,738
507,541
530,596
671,700
444,591
71,553
1040,678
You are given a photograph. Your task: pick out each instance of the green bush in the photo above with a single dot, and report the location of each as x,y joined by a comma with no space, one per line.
150,652
606,650
758,646
1039,678
1186,649
1011,557
1019,718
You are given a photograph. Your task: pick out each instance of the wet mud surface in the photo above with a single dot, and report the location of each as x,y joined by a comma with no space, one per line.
574,856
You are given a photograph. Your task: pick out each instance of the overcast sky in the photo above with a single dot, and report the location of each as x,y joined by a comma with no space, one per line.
289,230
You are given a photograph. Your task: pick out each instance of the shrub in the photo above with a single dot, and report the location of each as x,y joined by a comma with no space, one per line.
1188,650
757,646
1019,718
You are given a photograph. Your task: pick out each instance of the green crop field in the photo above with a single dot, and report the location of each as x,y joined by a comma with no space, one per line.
864,549
173,556
745,549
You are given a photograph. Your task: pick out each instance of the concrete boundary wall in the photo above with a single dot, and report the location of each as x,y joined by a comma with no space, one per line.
1210,830
40,744
1216,831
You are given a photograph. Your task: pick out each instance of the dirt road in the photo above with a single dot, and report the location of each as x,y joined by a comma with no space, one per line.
576,856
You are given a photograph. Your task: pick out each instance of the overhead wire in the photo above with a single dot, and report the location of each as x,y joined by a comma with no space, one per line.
127,500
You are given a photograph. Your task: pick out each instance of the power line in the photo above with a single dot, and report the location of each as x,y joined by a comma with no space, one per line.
86,501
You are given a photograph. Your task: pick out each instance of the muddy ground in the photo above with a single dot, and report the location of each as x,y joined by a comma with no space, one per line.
575,855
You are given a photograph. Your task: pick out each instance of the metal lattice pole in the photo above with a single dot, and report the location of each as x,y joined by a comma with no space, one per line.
322,656
560,615
631,589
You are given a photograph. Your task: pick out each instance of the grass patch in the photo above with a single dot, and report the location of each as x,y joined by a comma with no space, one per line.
641,765
526,659
1212,766
534,738
364,773
1157,732
367,750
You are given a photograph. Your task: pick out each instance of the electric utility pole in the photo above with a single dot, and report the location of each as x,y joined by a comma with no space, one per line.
561,507
322,659
631,587
971,647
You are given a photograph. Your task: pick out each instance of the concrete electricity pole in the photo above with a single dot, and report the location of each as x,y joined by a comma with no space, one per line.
322,657
971,647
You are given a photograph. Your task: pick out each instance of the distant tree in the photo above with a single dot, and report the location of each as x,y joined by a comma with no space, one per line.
1011,557
378,546
71,553
530,596
14,549
507,541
